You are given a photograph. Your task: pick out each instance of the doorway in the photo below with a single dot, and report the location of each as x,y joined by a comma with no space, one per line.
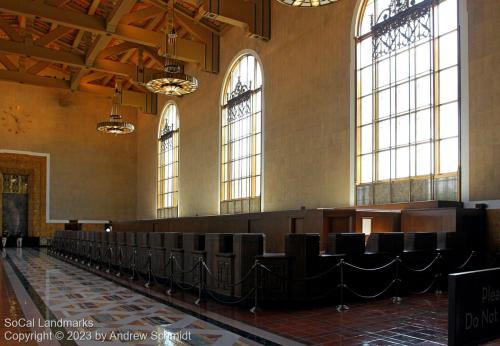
15,198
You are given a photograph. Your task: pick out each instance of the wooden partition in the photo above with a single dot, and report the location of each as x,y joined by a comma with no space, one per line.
382,221
275,225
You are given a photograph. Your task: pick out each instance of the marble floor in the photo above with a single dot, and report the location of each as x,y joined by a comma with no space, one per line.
100,311
41,287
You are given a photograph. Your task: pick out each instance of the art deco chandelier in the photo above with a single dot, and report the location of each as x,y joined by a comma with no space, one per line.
172,81
307,3
115,124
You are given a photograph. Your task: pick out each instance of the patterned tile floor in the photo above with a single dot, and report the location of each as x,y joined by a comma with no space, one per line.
418,320
111,312
10,308
77,294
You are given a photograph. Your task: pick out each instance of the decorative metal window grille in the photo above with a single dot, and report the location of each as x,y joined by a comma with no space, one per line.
167,136
241,137
408,102
239,105
400,25
168,163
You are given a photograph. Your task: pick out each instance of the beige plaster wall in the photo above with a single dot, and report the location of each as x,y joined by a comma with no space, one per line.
484,72
306,116
307,104
92,175
307,70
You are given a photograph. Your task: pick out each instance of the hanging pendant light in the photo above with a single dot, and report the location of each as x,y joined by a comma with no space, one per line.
172,81
307,3
115,124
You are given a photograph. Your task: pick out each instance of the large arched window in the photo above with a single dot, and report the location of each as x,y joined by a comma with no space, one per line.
168,163
407,101
241,151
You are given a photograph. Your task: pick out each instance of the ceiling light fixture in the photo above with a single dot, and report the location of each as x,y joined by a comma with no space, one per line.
115,124
172,81
307,3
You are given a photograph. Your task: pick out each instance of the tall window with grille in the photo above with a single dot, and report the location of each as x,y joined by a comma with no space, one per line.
168,163
407,102
241,134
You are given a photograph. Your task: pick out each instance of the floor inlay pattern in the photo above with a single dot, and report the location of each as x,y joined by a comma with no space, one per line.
111,312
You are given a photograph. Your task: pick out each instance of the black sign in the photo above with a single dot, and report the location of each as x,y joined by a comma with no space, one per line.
474,307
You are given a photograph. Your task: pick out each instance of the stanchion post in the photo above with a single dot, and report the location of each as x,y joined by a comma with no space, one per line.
90,256
120,259
110,255
255,309
200,285
132,265
342,307
148,284
439,275
171,279
397,299
99,257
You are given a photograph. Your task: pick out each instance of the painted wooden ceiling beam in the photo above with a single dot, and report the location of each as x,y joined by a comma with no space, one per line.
7,63
102,41
129,98
10,31
187,50
140,15
28,78
53,35
38,67
67,58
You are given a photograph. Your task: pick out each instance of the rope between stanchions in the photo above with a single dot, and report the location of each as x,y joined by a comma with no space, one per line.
318,276
373,269
247,275
272,273
307,278
421,269
371,296
434,280
239,301
186,287
473,254
180,269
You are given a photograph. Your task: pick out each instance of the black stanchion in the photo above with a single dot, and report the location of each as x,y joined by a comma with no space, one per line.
89,263
439,275
148,264
110,256
133,264
201,283
255,309
397,280
120,259
99,258
171,289
342,307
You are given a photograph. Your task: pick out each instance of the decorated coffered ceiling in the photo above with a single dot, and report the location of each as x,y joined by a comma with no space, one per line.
85,44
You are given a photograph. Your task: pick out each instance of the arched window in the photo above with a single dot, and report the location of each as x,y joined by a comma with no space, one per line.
407,101
241,137
168,163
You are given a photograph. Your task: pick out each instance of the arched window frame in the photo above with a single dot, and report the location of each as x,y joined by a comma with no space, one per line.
167,200
240,193
437,183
